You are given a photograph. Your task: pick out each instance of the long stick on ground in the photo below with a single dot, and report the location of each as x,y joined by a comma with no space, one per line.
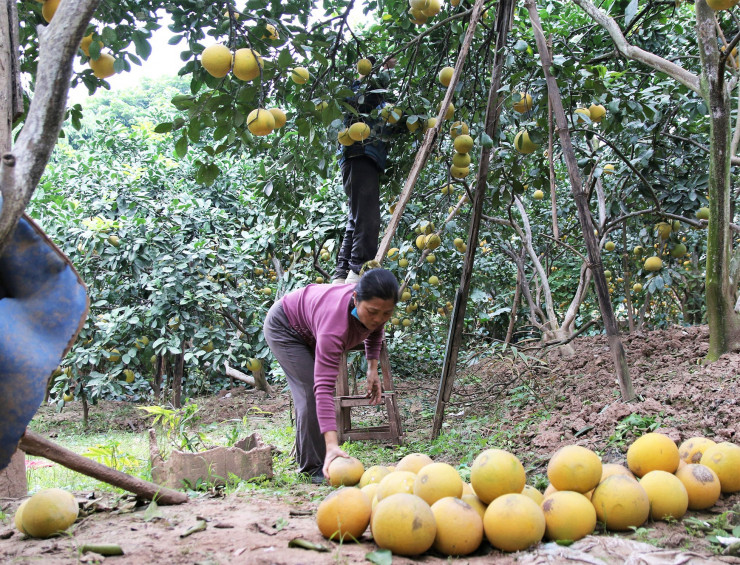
584,213
426,147
34,444
504,10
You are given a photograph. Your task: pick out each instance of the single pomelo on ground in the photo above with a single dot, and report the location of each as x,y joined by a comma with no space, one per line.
513,522
359,131
693,448
414,462
445,75
436,481
299,75
575,468
621,503
568,516
404,524
373,474
247,64
344,515
280,117
396,482
18,518
496,472
524,104
345,471
702,485
667,494
217,60
260,122
609,469
102,67
49,512
459,527
523,144
531,492
724,459
652,452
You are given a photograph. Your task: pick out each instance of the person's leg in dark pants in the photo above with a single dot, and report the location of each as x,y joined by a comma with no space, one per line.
362,186
297,360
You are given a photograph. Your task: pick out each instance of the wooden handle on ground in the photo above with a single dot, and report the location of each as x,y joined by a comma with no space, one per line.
34,444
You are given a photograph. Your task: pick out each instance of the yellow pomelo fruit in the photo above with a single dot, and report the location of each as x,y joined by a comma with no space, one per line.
496,472
678,250
597,112
433,8
102,67
417,17
414,462
254,364
359,131
129,374
653,264
430,123
702,485
461,160
344,514
260,122
459,128
538,194
433,241
574,468
702,213
568,516
533,493
364,66
667,494
345,471
373,475
582,114
405,295
608,169
115,356
610,246
273,33
718,5
344,138
404,524
445,75
448,114
621,503
549,490
459,172
467,489
513,522
217,60
370,490
436,481
609,469
18,518
413,126
664,230
280,117
524,104
724,459
523,144
403,262
247,64
434,280
49,9
475,503
391,114
421,241
392,253
637,287
463,143
396,482
693,448
419,4
459,527
49,512
652,452
431,258
299,75
86,42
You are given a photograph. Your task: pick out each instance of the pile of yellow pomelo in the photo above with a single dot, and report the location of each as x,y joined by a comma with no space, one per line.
419,504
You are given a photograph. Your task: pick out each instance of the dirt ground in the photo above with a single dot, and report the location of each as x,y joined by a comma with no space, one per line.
538,407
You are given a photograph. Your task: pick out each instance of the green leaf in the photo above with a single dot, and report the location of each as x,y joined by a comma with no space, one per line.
630,12
285,59
165,127
143,49
380,557
181,147
486,141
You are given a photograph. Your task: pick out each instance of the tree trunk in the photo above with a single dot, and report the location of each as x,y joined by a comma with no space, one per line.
177,378
724,322
13,481
514,307
584,214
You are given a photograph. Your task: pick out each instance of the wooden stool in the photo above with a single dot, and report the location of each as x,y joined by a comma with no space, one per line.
344,402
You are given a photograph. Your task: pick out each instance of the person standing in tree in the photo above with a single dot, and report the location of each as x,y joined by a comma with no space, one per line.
362,163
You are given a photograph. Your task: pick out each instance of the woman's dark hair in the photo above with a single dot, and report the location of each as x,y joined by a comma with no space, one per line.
377,283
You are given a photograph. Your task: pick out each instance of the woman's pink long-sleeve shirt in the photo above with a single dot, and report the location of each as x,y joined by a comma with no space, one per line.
321,314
